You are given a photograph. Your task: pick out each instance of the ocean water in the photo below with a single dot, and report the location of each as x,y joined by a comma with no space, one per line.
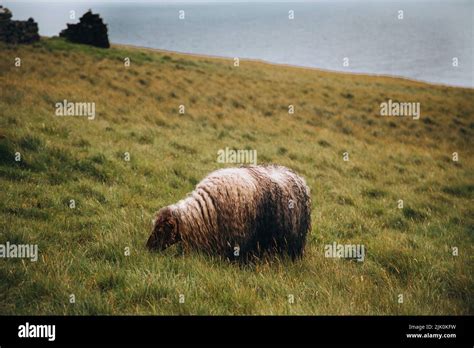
322,34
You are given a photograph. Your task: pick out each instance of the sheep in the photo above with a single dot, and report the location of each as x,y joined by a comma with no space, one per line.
239,213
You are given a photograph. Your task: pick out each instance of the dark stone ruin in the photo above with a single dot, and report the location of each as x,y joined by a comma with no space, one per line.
90,30
17,32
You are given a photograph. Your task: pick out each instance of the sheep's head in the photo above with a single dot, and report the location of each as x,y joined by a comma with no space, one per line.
165,231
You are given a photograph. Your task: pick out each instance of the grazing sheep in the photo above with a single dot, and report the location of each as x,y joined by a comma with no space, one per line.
238,213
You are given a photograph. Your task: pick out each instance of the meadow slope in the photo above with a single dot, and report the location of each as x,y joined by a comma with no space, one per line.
82,250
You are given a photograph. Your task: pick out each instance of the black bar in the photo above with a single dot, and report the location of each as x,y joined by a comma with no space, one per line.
194,330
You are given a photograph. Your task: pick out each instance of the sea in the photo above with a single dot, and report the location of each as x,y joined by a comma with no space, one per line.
427,40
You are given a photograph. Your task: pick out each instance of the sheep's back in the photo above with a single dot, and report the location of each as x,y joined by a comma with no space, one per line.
243,207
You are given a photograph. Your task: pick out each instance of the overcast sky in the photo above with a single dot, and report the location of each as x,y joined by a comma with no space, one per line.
189,1
169,1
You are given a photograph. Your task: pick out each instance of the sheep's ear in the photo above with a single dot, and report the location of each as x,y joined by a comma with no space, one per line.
170,222
172,227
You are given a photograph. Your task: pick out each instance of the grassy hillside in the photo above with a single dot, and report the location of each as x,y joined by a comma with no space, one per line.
82,250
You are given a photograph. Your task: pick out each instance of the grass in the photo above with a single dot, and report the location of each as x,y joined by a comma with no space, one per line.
82,250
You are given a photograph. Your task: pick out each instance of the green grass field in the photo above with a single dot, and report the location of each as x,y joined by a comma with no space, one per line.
82,250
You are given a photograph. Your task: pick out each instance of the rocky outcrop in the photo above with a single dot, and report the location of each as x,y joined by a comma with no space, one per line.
90,30
17,32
